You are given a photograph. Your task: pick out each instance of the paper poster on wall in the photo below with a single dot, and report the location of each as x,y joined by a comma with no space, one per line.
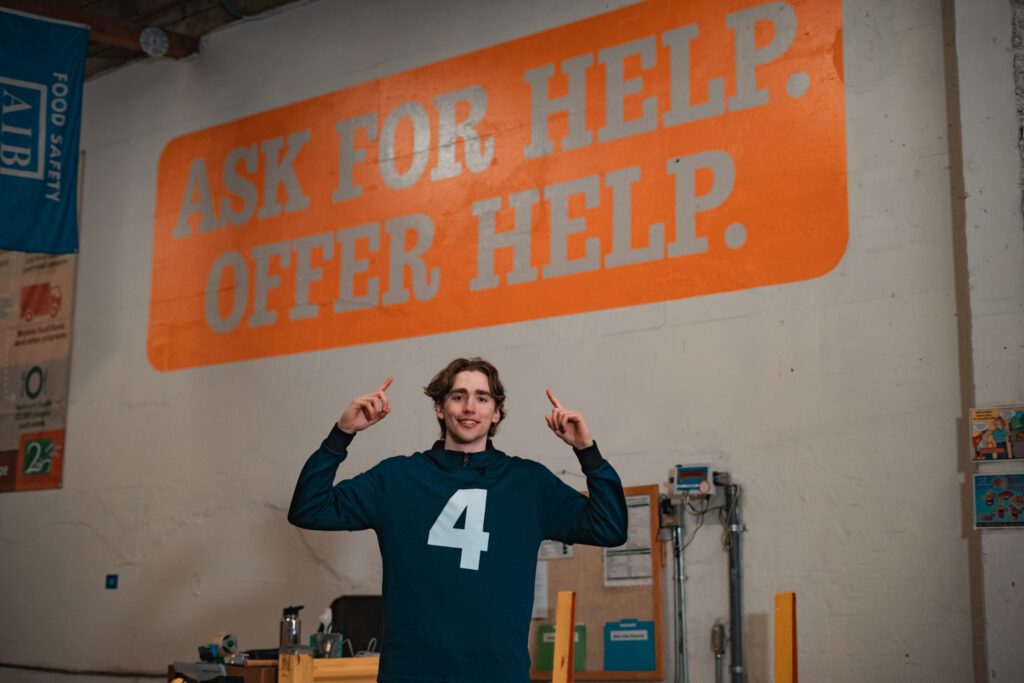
35,332
997,433
540,591
630,563
998,501
554,550
661,151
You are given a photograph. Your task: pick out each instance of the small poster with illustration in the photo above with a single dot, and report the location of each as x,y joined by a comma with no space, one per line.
995,432
1015,438
998,501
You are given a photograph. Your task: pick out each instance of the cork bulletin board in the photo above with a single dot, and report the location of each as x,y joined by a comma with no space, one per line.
611,586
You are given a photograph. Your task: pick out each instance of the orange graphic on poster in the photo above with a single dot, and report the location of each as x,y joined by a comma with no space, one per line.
662,151
41,299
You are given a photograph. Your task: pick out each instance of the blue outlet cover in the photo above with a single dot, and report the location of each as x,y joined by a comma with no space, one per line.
111,582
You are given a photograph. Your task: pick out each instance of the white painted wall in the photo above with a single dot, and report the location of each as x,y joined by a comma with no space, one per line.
995,258
835,402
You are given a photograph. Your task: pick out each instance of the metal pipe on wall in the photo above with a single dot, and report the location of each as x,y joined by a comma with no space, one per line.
682,672
675,530
735,527
718,647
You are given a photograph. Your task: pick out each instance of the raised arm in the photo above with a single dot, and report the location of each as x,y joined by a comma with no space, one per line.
597,519
352,504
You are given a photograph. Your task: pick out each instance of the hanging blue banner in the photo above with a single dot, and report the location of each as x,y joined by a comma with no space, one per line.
42,67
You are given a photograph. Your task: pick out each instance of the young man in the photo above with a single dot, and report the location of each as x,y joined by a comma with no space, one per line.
459,526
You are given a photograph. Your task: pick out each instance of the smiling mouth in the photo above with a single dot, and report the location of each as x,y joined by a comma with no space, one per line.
469,423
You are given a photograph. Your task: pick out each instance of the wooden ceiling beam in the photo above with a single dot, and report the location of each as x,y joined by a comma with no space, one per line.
103,29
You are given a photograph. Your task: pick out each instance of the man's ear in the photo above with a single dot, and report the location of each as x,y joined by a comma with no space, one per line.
496,418
439,411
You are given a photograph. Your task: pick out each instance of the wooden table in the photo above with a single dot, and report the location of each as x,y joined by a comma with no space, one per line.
306,669
253,671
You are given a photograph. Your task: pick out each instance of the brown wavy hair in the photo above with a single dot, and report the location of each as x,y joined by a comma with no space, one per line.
441,385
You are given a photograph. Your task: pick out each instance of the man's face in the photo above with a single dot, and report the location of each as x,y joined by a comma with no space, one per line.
468,412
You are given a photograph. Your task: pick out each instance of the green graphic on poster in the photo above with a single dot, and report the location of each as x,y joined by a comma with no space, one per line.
38,456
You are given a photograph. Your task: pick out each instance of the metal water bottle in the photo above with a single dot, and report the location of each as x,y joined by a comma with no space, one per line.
291,627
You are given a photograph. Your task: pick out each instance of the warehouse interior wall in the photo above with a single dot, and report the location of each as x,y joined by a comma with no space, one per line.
838,402
986,37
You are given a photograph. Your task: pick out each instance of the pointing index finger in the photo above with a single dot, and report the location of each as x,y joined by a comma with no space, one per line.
554,401
387,383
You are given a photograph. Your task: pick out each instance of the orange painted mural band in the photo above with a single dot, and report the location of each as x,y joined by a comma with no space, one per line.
662,151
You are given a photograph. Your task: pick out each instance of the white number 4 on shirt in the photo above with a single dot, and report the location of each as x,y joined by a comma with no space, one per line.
472,539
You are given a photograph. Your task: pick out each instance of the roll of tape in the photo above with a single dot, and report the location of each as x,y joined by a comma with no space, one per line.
226,642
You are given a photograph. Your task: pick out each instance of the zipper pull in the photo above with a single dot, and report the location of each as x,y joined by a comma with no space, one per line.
465,459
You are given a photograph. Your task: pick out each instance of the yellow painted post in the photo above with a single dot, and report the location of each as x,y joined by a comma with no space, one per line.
295,668
785,638
565,636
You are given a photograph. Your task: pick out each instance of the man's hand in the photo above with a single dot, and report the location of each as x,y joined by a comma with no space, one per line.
366,411
568,425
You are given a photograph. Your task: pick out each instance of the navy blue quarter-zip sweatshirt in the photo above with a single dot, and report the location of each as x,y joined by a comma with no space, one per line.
458,535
